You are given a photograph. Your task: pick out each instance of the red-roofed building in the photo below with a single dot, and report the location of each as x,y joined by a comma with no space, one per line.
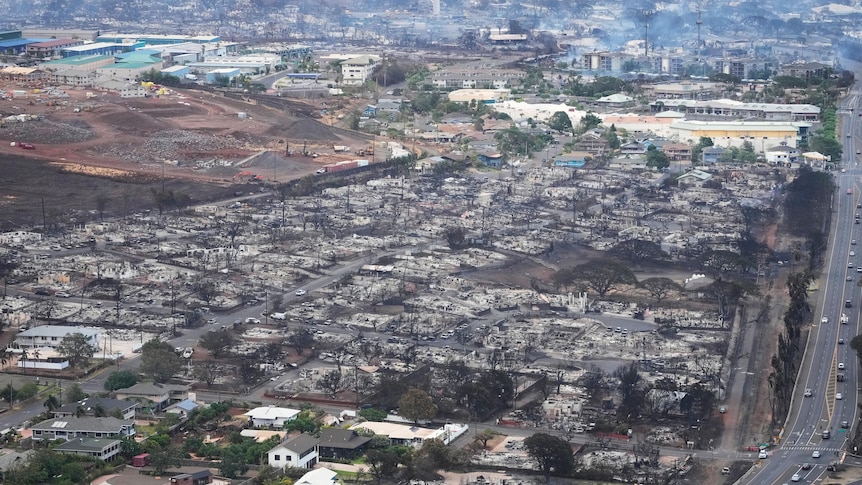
51,48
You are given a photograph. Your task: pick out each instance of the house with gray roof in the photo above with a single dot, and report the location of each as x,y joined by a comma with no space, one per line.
153,397
711,155
341,443
70,428
299,452
10,459
102,406
101,448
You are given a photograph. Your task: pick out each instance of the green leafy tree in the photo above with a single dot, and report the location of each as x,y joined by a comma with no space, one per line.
159,361
304,423
163,459
514,142
74,394
77,349
217,343
560,121
233,463
373,414
656,158
588,122
382,463
120,380
697,151
417,405
552,453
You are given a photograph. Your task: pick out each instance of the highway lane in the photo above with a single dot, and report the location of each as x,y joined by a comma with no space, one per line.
831,402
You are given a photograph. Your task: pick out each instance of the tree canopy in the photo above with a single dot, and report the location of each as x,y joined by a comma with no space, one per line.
417,405
560,121
656,158
77,349
217,343
553,454
120,380
159,361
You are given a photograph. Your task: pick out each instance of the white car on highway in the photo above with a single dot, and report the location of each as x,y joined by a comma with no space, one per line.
815,454
300,292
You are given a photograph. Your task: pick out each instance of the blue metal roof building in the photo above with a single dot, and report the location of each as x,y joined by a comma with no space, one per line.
18,46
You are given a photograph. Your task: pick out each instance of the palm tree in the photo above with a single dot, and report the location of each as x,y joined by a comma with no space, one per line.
52,403
23,359
80,411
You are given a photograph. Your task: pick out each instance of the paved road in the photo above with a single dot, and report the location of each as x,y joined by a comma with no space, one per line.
832,402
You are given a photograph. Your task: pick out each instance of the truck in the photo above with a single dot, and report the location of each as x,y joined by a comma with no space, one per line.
844,319
345,165
278,316
340,148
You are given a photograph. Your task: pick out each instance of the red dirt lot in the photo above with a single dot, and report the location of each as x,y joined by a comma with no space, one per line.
194,131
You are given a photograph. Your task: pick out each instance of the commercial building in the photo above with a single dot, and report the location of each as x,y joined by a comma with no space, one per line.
97,49
730,108
176,71
215,75
81,63
51,48
17,46
154,39
735,133
15,73
83,35
131,66
476,78
605,61
683,90
486,96
357,70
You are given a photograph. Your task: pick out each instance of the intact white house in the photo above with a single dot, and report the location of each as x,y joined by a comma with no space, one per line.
298,452
405,434
271,416
51,336
782,155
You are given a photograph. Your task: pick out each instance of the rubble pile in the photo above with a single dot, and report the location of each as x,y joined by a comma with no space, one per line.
46,131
